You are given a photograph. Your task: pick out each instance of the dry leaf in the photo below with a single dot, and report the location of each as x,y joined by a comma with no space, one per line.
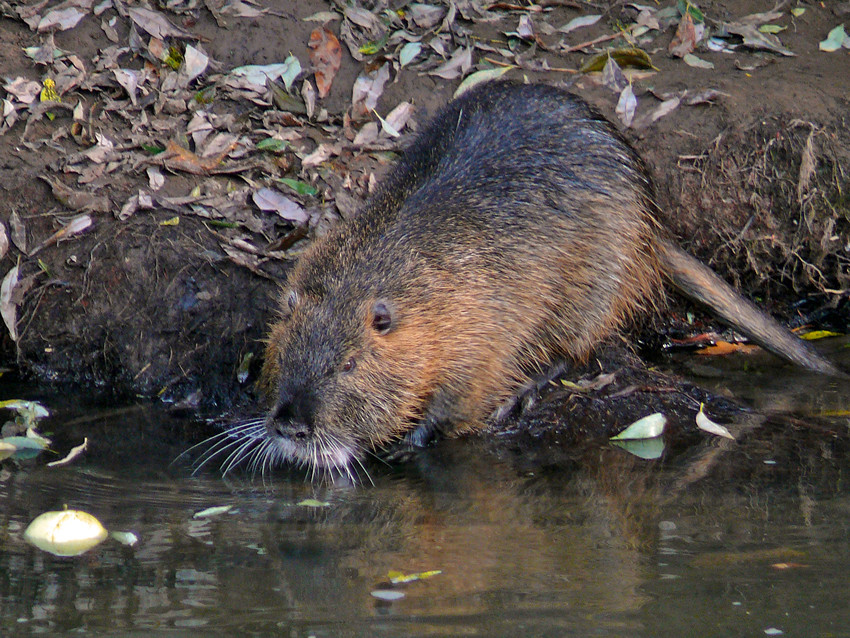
326,56
367,88
808,163
156,24
74,227
685,39
626,105
4,241
19,233
60,19
288,209
457,65
76,199
8,309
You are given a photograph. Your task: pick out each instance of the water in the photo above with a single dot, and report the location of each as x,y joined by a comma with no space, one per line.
717,538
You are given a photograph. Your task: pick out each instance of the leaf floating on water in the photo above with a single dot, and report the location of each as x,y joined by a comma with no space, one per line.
397,578
26,443
6,450
648,449
23,407
814,335
65,533
387,594
74,453
706,424
646,428
125,538
213,511
312,502
724,347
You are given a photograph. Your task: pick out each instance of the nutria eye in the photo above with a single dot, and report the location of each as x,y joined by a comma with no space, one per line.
348,366
382,317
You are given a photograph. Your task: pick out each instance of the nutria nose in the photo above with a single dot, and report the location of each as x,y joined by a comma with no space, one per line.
290,429
287,421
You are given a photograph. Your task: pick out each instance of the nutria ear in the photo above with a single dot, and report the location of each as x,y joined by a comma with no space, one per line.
291,300
382,316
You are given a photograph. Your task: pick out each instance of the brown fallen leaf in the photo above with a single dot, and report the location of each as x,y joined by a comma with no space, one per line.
75,199
326,56
74,227
176,157
724,347
19,232
685,39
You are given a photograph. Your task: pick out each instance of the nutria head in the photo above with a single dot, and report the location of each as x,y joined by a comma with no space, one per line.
341,377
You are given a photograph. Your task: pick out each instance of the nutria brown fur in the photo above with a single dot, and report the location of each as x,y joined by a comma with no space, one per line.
516,232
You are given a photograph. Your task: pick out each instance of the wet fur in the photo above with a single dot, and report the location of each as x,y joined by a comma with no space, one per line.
517,231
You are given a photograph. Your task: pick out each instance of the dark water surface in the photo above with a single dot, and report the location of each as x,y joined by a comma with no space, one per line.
718,538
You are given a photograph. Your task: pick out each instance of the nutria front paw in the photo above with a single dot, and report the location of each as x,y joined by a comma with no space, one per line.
418,438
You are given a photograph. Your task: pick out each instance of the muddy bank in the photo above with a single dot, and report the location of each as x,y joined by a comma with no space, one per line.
168,290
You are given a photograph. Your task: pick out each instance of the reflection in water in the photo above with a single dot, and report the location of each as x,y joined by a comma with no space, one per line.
716,538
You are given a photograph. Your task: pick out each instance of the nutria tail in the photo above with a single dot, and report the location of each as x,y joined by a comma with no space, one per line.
700,283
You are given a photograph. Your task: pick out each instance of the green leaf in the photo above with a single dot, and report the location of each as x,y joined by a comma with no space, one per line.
798,11
814,335
646,428
771,28
688,7
834,40
371,48
302,188
272,145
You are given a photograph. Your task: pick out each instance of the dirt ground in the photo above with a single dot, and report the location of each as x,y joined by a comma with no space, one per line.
165,278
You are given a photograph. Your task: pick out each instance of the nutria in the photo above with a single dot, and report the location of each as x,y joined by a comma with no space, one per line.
517,231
